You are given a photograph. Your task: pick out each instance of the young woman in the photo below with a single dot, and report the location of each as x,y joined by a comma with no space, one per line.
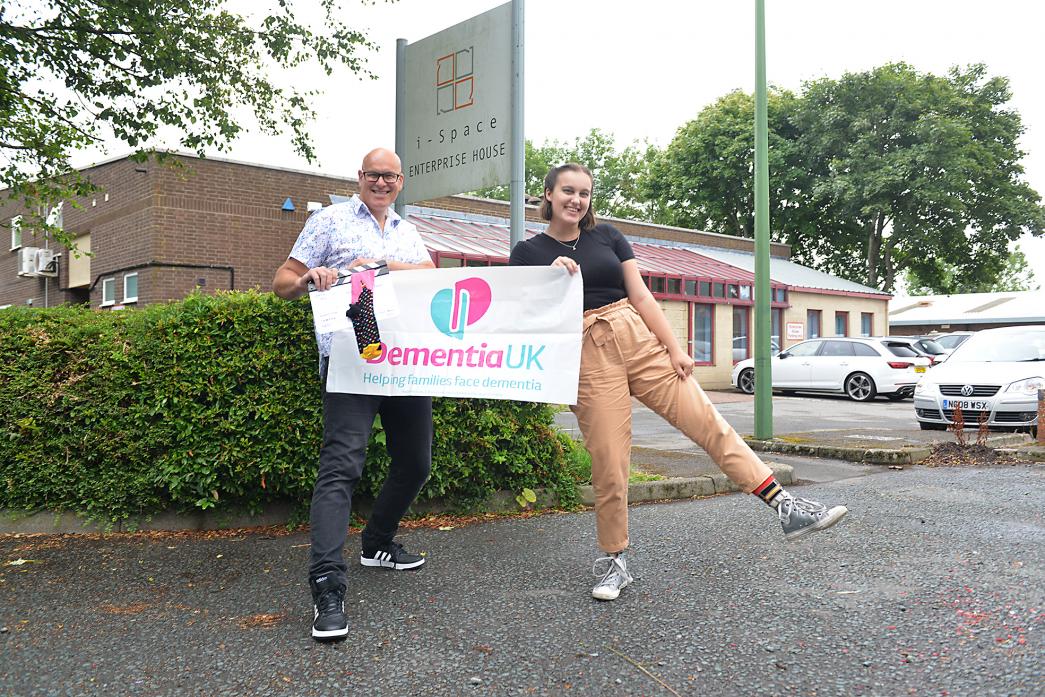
629,350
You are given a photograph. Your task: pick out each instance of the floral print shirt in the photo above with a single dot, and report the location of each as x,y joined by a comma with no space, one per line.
338,234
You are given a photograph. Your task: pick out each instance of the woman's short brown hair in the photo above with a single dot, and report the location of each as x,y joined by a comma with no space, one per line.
588,221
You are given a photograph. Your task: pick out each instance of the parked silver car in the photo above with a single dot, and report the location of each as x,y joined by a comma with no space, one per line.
952,340
995,374
923,346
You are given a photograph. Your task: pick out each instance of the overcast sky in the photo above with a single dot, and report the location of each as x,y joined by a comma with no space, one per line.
642,69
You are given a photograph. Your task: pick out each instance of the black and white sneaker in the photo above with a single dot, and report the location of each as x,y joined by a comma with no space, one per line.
391,556
328,602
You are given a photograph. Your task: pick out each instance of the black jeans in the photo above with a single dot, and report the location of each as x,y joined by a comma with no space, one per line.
347,422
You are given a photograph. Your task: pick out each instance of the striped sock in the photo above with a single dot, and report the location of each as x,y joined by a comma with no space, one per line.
769,491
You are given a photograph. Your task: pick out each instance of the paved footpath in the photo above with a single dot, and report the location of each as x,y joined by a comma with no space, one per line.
933,585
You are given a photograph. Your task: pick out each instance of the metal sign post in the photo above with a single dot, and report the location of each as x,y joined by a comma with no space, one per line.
763,315
517,190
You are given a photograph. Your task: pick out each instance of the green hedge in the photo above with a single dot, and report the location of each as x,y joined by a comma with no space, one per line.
215,402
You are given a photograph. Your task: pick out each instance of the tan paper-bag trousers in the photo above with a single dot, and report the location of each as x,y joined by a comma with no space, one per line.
621,358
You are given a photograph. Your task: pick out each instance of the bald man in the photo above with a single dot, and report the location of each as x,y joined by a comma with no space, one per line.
341,236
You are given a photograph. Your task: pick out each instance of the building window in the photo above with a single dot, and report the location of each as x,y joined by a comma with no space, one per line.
745,292
656,284
866,323
779,295
108,291
703,332
449,262
705,289
718,290
674,286
812,324
841,324
741,324
691,287
733,291
130,288
476,262
16,232
777,321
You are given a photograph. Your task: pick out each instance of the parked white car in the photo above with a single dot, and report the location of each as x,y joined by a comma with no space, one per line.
996,373
859,367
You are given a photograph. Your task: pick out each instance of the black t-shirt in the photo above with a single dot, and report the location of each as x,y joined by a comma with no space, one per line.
599,252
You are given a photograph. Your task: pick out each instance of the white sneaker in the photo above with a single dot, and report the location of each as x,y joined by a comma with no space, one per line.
612,579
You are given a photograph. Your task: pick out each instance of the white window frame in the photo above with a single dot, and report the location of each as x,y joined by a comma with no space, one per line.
112,282
127,298
16,230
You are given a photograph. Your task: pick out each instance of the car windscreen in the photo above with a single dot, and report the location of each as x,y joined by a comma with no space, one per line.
931,346
1002,347
952,341
902,350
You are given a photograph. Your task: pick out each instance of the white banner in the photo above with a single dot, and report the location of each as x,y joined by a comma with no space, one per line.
491,332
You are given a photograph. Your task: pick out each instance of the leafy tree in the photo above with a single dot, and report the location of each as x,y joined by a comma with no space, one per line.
927,169
616,174
871,175
1013,274
76,73
704,179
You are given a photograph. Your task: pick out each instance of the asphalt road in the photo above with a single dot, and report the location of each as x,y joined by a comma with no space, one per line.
790,415
933,585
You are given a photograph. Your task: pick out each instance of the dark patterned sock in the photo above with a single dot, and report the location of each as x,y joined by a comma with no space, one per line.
361,312
769,491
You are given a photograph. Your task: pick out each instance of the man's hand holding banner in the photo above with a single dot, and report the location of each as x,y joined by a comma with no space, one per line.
490,332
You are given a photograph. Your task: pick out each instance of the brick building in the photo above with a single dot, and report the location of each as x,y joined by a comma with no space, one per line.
157,232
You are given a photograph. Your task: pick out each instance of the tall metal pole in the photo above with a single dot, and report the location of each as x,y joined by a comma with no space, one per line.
400,138
518,206
763,315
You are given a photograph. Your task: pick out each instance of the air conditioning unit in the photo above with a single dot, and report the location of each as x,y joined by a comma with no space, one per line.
27,261
47,262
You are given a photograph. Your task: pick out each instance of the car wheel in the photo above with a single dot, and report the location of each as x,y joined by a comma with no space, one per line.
932,427
746,381
860,387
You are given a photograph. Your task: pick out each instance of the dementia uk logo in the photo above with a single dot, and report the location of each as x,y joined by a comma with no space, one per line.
455,308
455,81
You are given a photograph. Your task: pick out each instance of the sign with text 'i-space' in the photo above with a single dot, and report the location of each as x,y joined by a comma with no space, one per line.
457,122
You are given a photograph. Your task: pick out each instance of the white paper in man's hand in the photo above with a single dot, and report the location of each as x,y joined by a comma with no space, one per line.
329,308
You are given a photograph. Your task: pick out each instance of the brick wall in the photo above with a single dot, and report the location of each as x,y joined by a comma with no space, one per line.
215,224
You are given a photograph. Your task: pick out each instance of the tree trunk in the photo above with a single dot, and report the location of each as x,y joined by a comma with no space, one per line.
890,271
874,246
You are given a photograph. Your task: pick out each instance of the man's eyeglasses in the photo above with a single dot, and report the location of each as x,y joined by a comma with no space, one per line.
388,177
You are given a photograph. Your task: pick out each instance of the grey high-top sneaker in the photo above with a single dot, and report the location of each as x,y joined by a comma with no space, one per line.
611,579
799,517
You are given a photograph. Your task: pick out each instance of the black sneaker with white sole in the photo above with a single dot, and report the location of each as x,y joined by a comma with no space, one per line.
391,556
328,602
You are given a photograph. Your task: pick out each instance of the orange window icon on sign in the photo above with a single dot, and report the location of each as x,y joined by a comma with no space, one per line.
455,81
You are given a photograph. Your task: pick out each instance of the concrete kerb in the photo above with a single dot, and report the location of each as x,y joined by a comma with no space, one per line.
876,456
281,513
904,455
